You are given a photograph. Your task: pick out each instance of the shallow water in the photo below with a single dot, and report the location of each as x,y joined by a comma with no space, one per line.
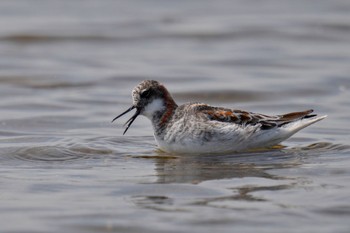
67,69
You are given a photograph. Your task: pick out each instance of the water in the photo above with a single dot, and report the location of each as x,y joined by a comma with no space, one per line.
67,69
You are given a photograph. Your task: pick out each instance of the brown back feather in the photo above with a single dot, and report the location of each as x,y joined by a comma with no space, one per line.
247,118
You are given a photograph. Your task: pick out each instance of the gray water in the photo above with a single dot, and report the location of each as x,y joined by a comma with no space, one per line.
67,69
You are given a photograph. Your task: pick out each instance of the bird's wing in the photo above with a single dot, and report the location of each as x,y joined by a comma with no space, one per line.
244,118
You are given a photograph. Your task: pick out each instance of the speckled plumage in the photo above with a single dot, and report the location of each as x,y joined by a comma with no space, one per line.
200,128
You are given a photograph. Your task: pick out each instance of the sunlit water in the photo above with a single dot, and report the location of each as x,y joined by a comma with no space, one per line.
67,69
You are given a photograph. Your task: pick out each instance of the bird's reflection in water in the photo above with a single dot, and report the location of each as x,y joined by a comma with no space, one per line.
245,175
198,168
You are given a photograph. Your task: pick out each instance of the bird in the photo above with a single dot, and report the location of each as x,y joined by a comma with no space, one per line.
197,128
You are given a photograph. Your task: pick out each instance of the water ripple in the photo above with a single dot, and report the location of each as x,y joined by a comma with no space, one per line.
63,150
48,154
322,147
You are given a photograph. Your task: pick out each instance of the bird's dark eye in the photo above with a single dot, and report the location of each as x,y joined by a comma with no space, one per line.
145,93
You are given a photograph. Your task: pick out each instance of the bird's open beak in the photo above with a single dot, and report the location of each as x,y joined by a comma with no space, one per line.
131,120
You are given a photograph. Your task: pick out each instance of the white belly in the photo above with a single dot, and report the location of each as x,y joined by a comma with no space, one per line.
227,138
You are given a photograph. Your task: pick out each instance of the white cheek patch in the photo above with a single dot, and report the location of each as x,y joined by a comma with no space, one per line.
155,106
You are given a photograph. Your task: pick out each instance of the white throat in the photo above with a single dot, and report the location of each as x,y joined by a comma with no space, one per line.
155,106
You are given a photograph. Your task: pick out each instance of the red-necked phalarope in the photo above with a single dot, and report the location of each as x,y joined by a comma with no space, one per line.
200,128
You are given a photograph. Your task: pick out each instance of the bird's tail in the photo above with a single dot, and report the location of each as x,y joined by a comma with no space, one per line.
295,126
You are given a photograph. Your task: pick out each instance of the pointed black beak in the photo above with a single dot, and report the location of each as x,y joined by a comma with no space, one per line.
131,120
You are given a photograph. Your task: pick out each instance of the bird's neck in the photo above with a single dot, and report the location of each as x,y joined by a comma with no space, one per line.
161,118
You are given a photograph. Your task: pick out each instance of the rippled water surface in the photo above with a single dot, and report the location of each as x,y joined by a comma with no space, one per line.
67,69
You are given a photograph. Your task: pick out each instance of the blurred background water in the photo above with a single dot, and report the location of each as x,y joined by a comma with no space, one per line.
67,69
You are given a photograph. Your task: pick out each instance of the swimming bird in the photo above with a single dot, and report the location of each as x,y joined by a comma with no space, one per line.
200,128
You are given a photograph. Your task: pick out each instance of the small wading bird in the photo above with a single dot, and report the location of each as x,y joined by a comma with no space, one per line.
200,128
